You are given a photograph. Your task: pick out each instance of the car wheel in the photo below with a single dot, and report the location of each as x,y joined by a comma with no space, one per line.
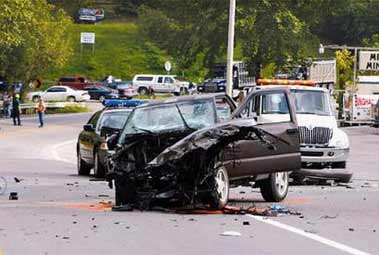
275,188
101,99
71,99
35,99
98,168
339,164
143,91
219,184
83,167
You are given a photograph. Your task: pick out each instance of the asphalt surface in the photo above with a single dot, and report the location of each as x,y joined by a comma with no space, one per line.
59,212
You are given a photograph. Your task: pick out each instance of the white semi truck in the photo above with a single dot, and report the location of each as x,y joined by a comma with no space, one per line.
324,146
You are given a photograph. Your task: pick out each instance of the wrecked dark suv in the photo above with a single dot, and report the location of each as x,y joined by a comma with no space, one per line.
189,150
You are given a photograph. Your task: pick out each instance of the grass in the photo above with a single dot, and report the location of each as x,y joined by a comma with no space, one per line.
66,109
119,50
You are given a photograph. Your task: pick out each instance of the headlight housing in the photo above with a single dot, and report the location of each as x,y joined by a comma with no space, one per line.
339,139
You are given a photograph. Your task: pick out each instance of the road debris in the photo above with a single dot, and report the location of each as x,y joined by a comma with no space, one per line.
231,233
351,229
311,231
13,196
329,217
17,180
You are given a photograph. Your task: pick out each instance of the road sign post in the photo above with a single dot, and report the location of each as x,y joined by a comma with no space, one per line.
168,66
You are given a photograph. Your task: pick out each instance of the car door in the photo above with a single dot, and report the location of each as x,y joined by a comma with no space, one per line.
61,94
51,94
272,112
169,84
159,85
92,91
87,139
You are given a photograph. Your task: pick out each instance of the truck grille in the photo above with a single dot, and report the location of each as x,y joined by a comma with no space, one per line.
315,136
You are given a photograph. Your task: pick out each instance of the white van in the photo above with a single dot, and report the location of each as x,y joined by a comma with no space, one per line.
159,84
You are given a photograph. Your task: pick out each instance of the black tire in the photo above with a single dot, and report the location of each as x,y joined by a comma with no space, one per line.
71,99
98,168
143,91
121,194
271,190
83,167
339,164
35,99
220,196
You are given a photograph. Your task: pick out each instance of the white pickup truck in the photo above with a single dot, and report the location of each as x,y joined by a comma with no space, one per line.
160,84
324,147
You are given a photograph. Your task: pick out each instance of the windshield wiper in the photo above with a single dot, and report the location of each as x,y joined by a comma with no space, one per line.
184,120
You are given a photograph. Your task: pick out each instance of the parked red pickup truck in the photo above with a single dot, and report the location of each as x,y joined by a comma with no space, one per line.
76,82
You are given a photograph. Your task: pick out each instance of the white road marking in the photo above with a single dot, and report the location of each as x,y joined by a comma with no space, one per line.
312,236
54,151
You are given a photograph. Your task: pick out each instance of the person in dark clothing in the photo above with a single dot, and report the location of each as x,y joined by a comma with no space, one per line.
16,111
6,103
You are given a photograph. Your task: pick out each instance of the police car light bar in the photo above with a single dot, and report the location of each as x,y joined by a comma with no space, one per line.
285,82
123,103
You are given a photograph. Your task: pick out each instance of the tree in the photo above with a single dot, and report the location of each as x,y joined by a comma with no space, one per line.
266,31
345,61
32,38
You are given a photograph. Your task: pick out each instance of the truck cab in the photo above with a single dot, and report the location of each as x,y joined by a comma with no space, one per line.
324,146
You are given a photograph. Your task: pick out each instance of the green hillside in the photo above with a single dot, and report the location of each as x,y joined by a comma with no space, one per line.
119,50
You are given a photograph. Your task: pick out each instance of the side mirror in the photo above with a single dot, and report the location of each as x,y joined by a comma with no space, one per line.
88,128
108,131
112,141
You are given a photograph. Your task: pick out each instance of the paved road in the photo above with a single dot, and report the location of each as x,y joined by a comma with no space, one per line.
59,212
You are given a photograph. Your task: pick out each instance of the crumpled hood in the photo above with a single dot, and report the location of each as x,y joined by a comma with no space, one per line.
306,120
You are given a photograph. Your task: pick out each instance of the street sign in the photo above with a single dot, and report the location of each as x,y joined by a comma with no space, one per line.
369,60
87,38
168,66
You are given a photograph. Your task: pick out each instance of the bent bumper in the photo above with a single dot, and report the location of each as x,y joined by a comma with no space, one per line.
323,155
338,174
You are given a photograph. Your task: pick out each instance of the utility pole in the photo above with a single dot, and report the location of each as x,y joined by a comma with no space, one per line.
229,64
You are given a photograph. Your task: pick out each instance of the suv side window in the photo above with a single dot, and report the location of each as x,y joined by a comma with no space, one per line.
160,79
144,78
224,109
168,80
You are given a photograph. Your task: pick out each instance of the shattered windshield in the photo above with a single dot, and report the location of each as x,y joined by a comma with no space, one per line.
311,102
183,115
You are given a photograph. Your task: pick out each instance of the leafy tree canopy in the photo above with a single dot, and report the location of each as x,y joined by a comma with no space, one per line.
32,38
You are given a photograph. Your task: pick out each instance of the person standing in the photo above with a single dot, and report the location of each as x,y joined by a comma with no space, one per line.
41,108
16,110
6,104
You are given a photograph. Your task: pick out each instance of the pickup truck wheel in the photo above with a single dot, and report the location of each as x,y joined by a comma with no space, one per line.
275,188
98,168
35,99
83,167
71,99
143,91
